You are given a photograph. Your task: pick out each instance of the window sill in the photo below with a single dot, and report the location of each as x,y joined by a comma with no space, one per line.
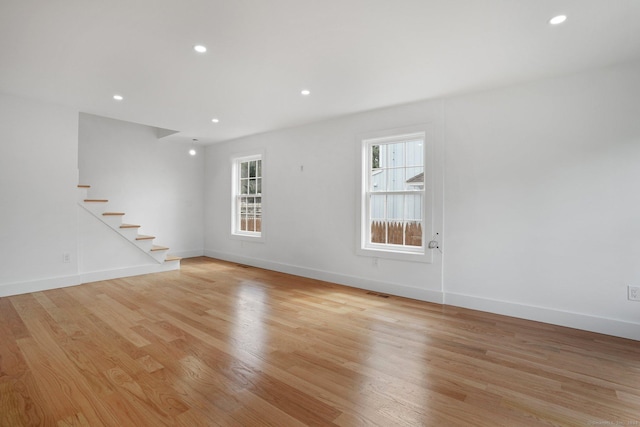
248,237
426,257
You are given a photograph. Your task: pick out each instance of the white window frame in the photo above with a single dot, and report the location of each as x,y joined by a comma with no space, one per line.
236,233
385,250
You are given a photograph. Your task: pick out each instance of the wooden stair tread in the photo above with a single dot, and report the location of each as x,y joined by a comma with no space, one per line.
143,237
154,248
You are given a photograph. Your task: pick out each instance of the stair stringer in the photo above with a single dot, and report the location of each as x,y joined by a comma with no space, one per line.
144,246
105,253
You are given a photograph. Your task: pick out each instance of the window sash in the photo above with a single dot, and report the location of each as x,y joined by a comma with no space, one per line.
397,231
247,205
249,214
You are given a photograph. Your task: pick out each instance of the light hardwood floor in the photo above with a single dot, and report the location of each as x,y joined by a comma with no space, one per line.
220,344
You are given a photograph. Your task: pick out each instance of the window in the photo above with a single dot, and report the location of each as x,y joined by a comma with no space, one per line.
395,197
247,195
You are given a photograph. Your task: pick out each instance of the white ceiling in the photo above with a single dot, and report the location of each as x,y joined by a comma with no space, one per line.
353,55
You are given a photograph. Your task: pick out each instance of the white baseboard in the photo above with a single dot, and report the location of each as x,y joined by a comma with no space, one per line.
18,288
602,325
341,279
613,327
188,254
97,276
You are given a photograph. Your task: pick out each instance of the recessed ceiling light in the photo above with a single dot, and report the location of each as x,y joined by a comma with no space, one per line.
192,152
214,120
118,97
556,20
305,92
200,48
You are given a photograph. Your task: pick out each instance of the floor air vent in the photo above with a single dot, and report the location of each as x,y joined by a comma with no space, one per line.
378,295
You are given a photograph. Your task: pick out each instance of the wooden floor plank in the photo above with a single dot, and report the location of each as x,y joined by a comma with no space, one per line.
10,319
218,344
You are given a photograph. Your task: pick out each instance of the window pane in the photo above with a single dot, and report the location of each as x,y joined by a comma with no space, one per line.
252,169
377,207
413,209
243,213
395,207
252,186
413,233
396,179
379,180
378,232
375,157
259,186
414,178
396,155
251,213
384,159
244,170
259,168
395,232
251,206
415,153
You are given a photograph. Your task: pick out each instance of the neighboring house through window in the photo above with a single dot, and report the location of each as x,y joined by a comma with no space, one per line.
395,199
247,196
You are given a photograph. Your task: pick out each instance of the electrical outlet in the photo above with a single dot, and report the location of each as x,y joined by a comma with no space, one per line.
66,257
634,293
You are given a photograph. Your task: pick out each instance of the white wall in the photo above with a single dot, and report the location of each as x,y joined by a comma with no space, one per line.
542,200
157,184
541,205
310,216
38,178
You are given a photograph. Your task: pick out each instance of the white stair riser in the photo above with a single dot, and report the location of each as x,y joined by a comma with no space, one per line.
129,233
159,255
96,207
145,245
113,221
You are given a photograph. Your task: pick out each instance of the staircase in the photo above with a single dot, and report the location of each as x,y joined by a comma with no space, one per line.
156,254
